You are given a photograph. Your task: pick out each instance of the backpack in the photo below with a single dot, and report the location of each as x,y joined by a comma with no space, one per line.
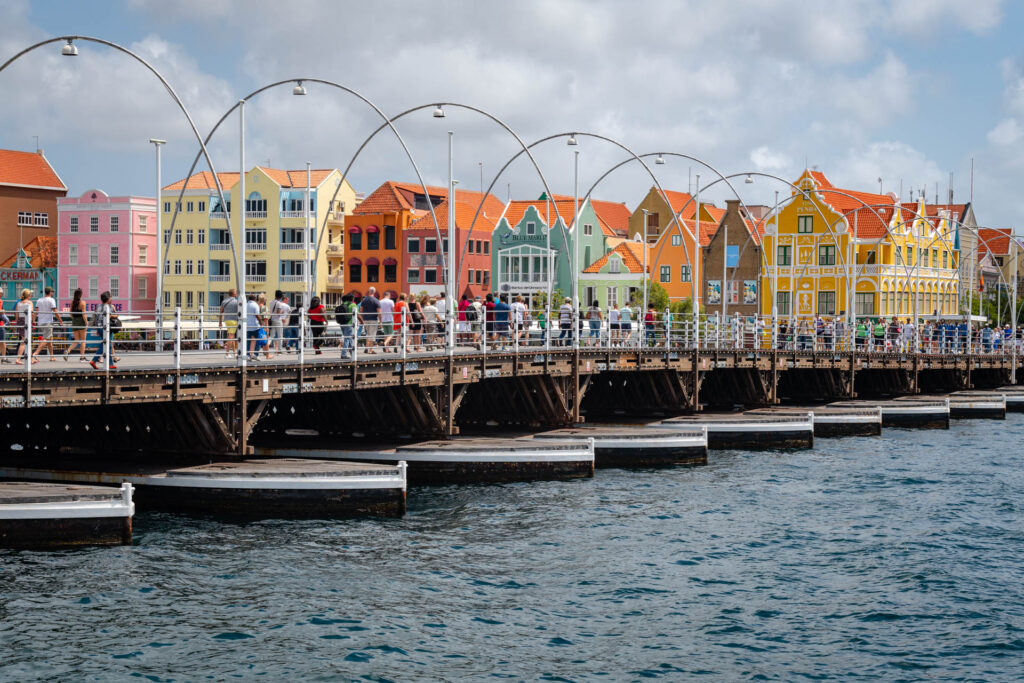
343,316
470,313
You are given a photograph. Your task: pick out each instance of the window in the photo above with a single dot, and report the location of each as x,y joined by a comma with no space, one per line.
177,235
141,287
910,256
94,254
487,275
413,275
389,237
24,218
167,299
143,223
115,286
373,240
665,274
188,300
188,267
733,291
487,247
429,245
782,303
167,207
826,303
676,240
177,299
189,237
469,246
115,254
826,255
372,273
167,236
943,259
115,225
390,272
94,223
614,265
588,229
189,206
201,234
355,240
865,302
430,275
201,267
72,284
935,258
73,255
684,273
805,224
414,245
94,286
177,266
612,296
785,257
202,298
143,255
167,267
531,228
354,273
73,224
177,206
444,245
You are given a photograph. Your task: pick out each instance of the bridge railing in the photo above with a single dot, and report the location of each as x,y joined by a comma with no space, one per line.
198,337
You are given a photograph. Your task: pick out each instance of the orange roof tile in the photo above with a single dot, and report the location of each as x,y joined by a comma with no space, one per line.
994,240
866,212
549,210
41,252
204,181
28,169
613,217
464,213
632,254
392,197
296,178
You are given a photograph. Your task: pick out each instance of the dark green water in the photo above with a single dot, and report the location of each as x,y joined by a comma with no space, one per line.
896,558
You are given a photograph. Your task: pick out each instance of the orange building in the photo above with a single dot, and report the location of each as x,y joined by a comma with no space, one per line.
29,188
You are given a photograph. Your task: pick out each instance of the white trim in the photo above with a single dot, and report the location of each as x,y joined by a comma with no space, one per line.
777,424
36,187
92,509
575,454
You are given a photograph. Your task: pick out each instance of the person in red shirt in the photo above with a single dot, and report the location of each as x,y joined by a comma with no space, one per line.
401,308
317,322
489,317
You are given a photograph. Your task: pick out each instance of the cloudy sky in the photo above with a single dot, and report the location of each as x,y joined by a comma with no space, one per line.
905,90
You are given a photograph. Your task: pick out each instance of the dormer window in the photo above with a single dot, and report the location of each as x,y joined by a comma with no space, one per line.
531,228
614,265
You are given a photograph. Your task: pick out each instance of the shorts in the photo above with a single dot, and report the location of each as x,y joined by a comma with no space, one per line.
370,330
232,328
387,329
45,331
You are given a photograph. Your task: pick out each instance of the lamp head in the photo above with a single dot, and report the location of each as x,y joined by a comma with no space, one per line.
749,180
69,50
660,161
157,141
299,89
572,140
438,112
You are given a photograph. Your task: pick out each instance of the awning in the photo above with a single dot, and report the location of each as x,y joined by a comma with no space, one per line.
372,228
355,228
355,262
390,262
372,262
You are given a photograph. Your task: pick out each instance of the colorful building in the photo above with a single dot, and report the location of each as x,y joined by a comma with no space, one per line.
735,247
29,189
828,238
33,266
616,277
200,259
108,244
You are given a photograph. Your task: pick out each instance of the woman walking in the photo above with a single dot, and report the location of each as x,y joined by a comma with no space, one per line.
23,314
317,322
78,326
104,315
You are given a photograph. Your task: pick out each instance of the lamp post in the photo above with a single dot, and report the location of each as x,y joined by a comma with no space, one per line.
158,301
643,245
576,223
452,306
696,277
243,302
306,266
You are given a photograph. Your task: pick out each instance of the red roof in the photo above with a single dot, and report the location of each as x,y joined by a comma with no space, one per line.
296,178
613,217
549,210
994,240
41,252
204,181
392,197
866,212
28,169
631,253
464,212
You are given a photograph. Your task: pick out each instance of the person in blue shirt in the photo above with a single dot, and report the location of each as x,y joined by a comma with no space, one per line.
502,311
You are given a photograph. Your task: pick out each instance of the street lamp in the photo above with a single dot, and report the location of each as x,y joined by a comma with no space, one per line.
158,301
749,180
69,50
572,140
643,245
299,89
438,112
660,161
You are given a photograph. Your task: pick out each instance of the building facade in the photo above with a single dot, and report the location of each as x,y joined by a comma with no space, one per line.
32,267
615,278
29,189
108,244
734,247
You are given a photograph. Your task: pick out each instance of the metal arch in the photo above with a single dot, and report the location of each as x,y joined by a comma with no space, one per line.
453,286
181,105
388,123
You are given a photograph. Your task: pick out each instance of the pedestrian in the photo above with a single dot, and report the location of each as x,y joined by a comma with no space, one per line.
475,317
78,326
489,331
401,320
565,322
613,324
415,325
252,326
520,318
4,321
22,319
229,320
369,317
594,318
317,322
502,311
345,316
104,320
279,313
650,318
264,339
443,314
387,319
291,332
46,308
430,321
625,324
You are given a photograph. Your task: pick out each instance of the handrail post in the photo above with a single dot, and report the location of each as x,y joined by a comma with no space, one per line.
106,341
404,336
547,326
243,325
302,335
201,341
515,334
576,327
177,337
28,342
668,329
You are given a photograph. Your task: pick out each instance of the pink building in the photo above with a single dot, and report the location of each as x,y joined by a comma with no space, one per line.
107,244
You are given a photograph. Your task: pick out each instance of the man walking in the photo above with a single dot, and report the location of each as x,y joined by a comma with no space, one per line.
369,316
45,318
229,319
279,310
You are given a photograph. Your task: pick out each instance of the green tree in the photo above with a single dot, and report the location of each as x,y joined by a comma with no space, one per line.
656,296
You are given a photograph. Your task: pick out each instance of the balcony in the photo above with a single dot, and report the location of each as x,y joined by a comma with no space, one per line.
290,246
220,247
259,215
335,280
337,249
255,246
256,278
218,214
293,278
220,278
293,214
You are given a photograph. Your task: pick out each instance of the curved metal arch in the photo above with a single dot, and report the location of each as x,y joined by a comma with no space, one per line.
170,90
388,123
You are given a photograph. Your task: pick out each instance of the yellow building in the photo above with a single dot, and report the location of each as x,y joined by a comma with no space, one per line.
199,259
827,237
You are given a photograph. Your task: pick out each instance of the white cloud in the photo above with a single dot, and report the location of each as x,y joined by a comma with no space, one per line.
893,162
977,16
1007,132
767,159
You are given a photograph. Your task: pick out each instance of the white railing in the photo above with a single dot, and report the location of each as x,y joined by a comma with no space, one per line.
292,278
218,214
335,248
255,278
218,246
293,214
291,246
220,278
255,246
255,214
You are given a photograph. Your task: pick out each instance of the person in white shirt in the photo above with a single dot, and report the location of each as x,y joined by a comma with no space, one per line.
909,333
279,311
613,324
45,319
519,316
252,325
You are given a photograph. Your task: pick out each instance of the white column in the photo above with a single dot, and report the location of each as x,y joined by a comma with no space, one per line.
242,302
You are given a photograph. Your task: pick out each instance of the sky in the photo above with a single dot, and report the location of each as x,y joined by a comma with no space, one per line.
908,91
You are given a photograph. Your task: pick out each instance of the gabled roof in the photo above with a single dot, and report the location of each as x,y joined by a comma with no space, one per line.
297,178
204,181
28,169
393,197
994,240
867,213
631,253
464,212
41,252
517,208
613,217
